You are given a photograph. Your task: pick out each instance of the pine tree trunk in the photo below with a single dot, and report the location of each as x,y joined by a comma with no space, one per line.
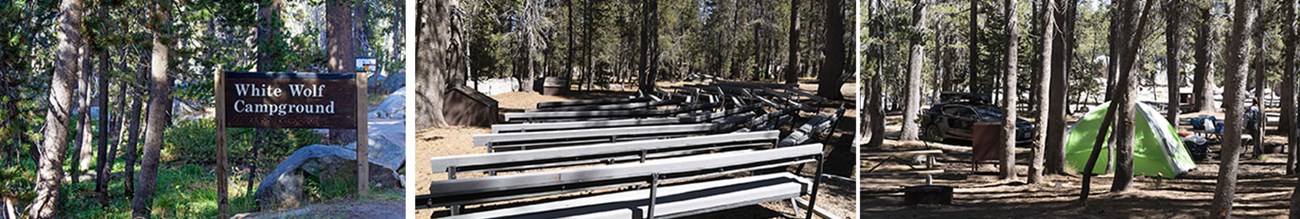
160,104
1010,95
1173,67
435,70
828,82
792,67
916,59
1056,125
133,131
49,176
1234,93
342,57
101,170
1124,119
268,35
876,112
1044,85
973,59
1289,90
1202,78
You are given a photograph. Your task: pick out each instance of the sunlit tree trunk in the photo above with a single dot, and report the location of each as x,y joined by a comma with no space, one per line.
1173,67
1234,93
342,52
1044,85
916,59
1133,22
435,70
49,175
1063,47
160,104
1010,94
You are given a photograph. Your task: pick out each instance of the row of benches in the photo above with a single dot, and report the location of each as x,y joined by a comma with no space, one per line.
635,160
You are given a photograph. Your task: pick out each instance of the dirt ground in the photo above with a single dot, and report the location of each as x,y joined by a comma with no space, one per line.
836,195
347,208
1263,191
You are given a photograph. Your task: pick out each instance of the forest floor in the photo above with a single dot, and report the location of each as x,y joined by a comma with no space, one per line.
389,206
837,192
1263,189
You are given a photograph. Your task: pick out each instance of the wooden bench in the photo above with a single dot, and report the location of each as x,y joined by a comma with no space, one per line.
458,192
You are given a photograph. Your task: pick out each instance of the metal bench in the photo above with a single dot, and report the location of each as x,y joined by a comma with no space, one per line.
553,104
459,192
690,118
601,153
543,139
605,114
618,106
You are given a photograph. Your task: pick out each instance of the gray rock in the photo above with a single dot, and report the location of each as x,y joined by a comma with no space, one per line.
283,188
393,107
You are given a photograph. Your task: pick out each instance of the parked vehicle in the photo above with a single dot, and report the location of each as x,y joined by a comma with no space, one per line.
954,117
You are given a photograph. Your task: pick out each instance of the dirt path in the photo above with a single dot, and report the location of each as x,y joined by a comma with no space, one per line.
349,208
1263,191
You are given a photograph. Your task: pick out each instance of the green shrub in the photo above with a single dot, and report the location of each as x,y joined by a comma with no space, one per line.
194,141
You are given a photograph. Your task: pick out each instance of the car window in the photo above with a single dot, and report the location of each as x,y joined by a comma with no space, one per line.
957,111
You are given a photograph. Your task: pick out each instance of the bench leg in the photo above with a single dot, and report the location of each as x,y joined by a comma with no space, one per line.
794,205
455,209
654,187
817,182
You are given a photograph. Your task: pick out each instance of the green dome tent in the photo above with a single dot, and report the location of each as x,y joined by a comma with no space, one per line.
1157,148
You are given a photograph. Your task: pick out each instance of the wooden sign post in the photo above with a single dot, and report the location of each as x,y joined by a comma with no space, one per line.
290,100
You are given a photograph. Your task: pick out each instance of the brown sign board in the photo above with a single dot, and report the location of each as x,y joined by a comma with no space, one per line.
290,100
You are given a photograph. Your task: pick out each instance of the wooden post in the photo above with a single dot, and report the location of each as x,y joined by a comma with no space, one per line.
223,209
363,159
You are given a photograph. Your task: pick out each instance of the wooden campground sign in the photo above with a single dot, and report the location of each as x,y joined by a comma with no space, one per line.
290,100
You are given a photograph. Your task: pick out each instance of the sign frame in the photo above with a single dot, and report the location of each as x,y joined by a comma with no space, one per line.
354,80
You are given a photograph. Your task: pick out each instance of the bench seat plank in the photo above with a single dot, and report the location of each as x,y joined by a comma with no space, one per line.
617,171
440,164
673,201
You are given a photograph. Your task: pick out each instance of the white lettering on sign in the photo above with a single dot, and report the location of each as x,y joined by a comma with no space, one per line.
283,109
315,90
253,90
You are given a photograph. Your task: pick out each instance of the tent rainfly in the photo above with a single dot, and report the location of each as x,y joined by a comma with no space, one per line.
1158,151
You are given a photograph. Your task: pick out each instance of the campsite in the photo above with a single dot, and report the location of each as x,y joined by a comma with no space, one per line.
1079,109
634,109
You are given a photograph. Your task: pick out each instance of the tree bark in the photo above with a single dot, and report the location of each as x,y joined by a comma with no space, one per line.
49,176
1044,86
160,104
101,170
828,82
342,53
1257,132
1202,80
83,113
1173,42
133,132
649,46
436,71
916,59
974,48
1289,90
1058,109
1010,95
792,66
1124,119
1234,92
268,35
876,112
568,64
